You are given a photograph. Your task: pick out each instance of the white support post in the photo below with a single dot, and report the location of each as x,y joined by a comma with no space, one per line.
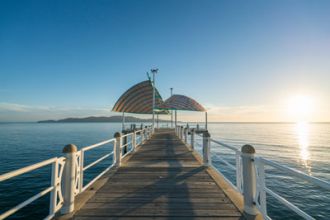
56,184
123,122
142,135
206,121
206,148
238,171
146,133
69,176
261,185
249,180
175,119
186,134
133,140
117,149
81,173
192,140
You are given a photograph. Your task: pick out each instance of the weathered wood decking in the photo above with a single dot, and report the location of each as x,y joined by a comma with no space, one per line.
161,180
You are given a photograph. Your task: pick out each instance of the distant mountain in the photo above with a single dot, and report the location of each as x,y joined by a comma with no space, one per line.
101,119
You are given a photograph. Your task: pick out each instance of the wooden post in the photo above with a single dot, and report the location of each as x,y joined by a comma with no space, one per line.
192,140
249,180
69,177
206,148
117,149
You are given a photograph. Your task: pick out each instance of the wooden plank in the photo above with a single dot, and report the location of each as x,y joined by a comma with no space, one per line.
158,212
154,218
159,205
173,200
161,180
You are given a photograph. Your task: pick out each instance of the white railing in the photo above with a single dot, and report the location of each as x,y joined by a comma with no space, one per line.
67,179
82,168
56,198
250,175
262,189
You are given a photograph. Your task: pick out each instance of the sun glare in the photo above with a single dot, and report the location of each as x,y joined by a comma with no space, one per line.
301,107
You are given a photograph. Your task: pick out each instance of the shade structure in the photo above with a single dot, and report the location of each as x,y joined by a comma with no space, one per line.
181,102
138,99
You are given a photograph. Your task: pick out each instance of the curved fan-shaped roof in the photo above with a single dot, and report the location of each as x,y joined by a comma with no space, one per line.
181,102
138,99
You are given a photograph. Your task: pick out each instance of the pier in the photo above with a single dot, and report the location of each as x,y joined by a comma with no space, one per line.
158,173
162,179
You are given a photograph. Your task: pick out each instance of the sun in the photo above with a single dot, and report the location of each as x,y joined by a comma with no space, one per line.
301,107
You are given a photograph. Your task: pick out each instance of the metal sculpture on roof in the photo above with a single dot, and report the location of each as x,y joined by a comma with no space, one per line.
181,102
138,99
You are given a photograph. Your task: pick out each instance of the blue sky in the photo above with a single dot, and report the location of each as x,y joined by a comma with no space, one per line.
241,59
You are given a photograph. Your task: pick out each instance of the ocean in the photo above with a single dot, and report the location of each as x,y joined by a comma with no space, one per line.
303,146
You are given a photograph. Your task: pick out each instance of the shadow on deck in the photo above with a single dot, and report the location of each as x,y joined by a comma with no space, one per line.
161,180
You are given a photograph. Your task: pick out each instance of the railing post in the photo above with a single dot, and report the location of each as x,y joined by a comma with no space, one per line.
133,140
206,148
56,184
249,180
124,139
117,149
69,177
186,134
146,133
142,135
192,140
260,191
238,171
181,132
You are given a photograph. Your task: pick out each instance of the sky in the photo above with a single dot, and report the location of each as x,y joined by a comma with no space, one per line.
242,60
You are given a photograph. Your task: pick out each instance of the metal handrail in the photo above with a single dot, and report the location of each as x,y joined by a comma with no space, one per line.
76,185
97,161
297,173
98,144
82,168
56,199
27,169
259,163
126,145
126,135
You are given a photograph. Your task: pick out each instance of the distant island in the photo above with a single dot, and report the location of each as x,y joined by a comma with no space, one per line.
101,119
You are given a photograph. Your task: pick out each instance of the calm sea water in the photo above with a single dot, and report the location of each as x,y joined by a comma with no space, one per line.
305,147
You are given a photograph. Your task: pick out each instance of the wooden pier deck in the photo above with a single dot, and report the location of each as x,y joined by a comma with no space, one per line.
161,180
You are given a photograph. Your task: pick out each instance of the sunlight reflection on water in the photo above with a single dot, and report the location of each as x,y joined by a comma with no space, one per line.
302,132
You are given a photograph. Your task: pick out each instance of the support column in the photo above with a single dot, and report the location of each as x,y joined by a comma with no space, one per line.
117,149
69,177
192,140
206,148
249,180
